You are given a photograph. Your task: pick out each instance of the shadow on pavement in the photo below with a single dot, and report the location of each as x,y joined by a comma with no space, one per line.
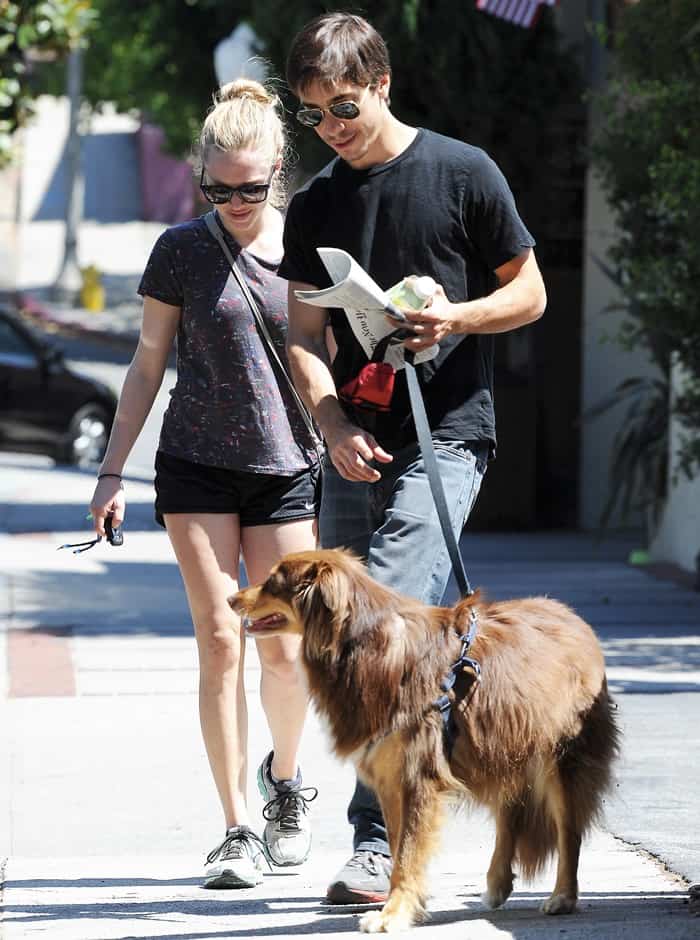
522,918
35,518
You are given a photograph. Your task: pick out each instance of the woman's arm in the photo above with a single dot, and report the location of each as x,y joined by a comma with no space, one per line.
143,380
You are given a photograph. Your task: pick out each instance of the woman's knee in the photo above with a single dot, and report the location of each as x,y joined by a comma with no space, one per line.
219,643
282,666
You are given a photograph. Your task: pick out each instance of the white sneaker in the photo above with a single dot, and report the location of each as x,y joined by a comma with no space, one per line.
287,833
237,862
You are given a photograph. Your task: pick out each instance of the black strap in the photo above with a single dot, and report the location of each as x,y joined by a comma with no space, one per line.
425,441
213,227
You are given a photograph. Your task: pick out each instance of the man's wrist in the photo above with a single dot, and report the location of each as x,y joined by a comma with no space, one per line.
334,423
466,317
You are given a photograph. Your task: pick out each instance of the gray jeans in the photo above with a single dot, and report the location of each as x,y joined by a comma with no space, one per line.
395,526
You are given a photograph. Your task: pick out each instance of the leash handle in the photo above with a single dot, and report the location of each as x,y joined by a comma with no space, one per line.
425,440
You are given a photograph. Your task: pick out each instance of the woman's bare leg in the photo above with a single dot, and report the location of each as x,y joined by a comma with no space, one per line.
207,547
282,687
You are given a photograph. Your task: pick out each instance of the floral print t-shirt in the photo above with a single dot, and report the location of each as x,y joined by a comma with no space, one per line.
229,408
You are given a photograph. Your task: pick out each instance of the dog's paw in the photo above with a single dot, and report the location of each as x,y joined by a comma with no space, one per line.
497,891
559,904
379,922
494,899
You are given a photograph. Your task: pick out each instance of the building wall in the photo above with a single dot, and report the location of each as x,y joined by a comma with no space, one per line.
677,538
604,363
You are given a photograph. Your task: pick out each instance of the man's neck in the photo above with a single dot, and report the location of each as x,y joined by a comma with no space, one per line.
393,140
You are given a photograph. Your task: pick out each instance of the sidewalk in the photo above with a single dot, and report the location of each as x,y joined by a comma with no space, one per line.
106,803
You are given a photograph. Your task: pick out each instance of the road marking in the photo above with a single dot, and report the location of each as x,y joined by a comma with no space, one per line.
40,662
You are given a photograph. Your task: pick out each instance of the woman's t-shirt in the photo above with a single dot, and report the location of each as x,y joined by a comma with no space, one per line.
229,408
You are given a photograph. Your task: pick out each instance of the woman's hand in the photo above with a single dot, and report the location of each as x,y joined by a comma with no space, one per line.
107,500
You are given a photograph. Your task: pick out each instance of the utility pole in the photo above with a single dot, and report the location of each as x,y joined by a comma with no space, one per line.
67,286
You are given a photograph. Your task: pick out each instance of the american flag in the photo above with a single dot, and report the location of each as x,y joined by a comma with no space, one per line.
520,12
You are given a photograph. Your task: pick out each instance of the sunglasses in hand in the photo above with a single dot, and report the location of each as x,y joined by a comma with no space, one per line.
114,535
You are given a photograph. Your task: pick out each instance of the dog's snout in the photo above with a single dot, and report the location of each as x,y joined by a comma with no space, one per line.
236,603
242,601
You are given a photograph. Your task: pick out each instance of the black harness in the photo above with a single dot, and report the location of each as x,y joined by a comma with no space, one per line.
468,671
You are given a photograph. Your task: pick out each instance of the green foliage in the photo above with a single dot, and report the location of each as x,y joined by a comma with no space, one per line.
29,31
157,59
647,153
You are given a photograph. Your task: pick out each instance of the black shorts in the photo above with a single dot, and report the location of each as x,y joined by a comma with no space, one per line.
258,498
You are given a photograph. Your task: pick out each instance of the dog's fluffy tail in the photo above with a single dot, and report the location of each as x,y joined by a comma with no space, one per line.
583,768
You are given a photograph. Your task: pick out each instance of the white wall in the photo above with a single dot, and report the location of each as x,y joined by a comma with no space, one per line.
677,538
114,246
604,363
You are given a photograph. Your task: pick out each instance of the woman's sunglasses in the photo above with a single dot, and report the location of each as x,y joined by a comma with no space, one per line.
218,194
342,110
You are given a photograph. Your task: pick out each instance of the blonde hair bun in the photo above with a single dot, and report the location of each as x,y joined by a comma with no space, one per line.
245,88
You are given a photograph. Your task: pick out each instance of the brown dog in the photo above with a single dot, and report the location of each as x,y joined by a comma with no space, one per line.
535,738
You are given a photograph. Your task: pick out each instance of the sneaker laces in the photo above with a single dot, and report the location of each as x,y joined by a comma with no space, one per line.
287,808
234,845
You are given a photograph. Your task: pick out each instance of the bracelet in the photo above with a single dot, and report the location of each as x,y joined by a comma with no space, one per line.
117,476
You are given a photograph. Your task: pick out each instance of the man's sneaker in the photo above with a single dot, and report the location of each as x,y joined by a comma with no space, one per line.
365,879
287,833
237,862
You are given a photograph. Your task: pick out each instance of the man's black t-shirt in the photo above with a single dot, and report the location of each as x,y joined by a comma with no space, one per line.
441,208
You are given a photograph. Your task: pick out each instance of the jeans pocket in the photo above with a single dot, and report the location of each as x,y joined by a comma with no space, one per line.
467,450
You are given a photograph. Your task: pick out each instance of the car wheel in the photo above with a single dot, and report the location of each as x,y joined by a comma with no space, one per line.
87,436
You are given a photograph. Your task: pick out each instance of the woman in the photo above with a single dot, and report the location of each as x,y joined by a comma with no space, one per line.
236,471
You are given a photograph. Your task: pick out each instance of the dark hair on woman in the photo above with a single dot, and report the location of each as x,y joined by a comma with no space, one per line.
335,48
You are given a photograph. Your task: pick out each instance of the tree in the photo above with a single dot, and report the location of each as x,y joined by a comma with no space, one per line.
32,30
157,59
647,152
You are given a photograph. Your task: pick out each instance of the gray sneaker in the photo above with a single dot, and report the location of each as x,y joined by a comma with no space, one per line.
237,862
364,879
287,834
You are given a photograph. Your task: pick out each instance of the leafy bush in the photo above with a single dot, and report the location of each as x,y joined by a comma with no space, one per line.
647,152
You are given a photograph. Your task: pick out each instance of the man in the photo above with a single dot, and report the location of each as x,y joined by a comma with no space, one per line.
401,200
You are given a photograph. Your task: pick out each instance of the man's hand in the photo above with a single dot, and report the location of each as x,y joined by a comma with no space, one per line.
431,324
350,448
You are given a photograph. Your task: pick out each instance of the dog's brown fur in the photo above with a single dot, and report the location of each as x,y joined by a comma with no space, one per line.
535,738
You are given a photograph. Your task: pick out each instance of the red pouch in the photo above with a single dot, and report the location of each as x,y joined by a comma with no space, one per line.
371,388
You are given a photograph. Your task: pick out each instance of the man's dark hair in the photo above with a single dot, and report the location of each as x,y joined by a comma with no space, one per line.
335,48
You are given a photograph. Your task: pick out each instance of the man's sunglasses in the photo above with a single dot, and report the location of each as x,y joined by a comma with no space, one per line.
218,194
342,110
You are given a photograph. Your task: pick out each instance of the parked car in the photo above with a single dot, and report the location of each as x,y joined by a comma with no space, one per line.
46,407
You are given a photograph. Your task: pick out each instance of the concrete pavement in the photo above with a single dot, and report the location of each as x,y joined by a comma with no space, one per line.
106,802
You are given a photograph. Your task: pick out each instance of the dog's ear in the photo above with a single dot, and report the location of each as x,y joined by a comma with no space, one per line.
325,601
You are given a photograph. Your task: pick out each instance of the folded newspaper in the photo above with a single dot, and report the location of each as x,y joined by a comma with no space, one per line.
363,301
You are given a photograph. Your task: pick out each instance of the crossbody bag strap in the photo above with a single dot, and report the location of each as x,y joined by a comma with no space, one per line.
425,440
213,227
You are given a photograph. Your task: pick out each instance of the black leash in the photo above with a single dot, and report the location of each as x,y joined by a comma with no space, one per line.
425,440
464,665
